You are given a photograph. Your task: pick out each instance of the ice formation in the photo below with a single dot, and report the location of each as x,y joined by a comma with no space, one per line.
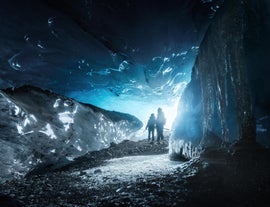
118,57
222,103
39,126
82,51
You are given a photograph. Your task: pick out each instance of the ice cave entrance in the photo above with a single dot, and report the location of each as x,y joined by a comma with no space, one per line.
142,92
141,107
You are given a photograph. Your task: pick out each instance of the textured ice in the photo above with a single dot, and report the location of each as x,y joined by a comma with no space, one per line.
82,51
227,95
38,126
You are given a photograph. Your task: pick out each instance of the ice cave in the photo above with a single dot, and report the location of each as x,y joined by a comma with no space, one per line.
80,79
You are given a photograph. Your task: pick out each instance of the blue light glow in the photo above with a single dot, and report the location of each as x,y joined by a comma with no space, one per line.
138,106
140,89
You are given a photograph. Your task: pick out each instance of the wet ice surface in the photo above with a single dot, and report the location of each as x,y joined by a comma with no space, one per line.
129,168
38,125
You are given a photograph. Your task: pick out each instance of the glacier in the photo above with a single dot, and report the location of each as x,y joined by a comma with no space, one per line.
102,52
71,49
223,103
142,60
38,126
67,66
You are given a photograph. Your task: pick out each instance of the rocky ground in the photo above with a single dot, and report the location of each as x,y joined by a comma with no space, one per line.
220,177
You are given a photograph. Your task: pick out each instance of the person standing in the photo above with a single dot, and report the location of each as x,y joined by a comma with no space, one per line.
160,122
151,127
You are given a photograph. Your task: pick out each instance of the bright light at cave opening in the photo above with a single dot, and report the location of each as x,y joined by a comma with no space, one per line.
141,107
170,113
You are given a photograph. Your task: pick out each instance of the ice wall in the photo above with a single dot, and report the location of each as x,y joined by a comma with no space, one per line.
39,126
103,51
223,102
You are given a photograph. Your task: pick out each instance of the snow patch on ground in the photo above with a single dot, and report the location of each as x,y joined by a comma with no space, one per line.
129,169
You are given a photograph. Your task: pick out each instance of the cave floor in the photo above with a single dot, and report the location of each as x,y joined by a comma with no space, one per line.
216,178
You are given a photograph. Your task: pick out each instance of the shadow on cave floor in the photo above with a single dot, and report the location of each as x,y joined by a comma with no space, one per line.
217,178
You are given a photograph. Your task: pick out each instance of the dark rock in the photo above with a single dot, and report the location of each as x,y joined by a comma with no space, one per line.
7,201
97,171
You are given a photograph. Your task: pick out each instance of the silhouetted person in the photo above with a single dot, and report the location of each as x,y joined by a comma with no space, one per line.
160,122
151,126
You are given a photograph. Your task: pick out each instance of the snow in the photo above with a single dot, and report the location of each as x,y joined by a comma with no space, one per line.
129,169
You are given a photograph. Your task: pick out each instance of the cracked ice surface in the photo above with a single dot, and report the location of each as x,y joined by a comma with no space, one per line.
131,168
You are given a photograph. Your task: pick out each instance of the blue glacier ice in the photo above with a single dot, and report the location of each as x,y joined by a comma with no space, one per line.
102,52
39,126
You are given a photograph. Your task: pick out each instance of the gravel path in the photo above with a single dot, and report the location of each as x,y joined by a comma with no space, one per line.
112,178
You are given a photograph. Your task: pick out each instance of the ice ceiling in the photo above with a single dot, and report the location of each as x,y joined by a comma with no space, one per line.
124,55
